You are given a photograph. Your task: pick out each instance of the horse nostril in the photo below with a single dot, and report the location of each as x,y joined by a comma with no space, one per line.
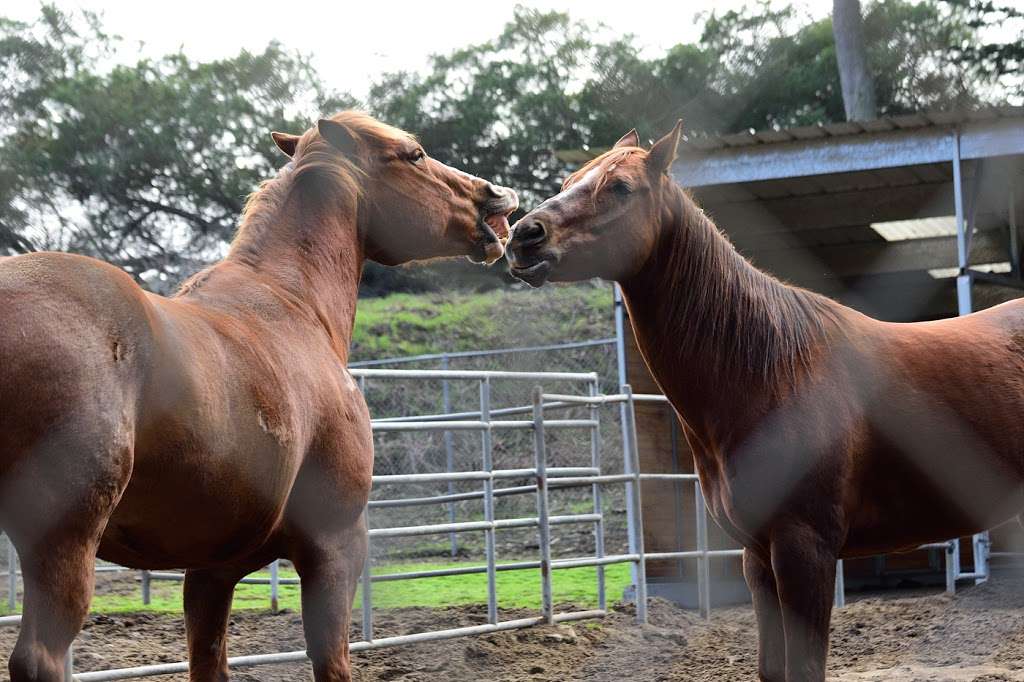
495,191
532,232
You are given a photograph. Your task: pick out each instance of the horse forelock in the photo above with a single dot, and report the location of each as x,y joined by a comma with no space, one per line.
604,164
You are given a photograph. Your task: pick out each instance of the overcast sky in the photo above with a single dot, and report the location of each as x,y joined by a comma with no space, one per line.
352,42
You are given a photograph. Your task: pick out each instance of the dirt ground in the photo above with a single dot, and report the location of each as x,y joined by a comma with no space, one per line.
975,636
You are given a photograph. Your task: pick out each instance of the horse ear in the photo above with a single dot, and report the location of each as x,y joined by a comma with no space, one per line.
663,153
286,142
338,134
630,139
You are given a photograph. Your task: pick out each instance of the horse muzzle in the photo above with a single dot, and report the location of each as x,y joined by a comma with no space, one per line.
529,257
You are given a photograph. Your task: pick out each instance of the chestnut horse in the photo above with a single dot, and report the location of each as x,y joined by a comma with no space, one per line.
817,432
219,429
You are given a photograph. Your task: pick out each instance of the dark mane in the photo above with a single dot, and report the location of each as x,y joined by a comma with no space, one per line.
724,307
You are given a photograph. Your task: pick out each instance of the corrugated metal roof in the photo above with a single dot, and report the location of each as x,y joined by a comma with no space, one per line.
845,128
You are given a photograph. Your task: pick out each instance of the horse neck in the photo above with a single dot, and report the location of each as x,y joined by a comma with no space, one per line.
308,251
723,339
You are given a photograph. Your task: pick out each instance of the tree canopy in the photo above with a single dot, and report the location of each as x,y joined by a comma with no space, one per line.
146,163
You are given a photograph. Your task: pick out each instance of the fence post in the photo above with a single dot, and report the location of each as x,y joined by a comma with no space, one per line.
367,582
146,588
69,665
486,438
449,452
274,583
840,598
12,575
544,529
980,543
620,363
367,605
595,461
952,565
703,561
633,461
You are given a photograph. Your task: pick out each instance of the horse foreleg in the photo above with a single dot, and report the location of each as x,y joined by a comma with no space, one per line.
771,642
208,595
329,571
805,571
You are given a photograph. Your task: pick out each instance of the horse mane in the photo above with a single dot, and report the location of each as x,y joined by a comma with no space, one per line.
751,322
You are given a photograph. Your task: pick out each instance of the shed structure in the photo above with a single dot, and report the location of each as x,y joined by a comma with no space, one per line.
904,218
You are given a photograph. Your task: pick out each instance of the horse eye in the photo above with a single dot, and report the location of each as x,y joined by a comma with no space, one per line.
621,188
417,156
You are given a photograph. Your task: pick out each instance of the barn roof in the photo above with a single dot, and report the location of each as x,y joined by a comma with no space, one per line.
865,211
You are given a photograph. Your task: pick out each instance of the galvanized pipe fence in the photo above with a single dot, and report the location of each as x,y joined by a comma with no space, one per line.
539,480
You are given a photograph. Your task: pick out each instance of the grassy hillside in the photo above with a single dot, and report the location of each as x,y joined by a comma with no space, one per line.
411,324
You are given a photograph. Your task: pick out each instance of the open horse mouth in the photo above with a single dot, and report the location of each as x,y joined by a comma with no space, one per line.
494,228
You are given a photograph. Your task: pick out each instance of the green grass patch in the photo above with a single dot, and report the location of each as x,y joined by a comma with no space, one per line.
516,589
414,324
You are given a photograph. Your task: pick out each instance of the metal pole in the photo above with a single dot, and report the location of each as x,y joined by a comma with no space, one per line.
963,280
964,232
449,452
1011,219
620,355
840,598
703,561
69,665
488,466
12,575
952,554
980,546
543,528
367,606
595,462
146,588
274,578
964,307
638,519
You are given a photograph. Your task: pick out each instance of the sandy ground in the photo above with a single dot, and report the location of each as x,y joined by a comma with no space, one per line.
975,636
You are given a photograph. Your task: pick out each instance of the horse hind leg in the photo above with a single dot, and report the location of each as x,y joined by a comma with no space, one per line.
55,515
329,570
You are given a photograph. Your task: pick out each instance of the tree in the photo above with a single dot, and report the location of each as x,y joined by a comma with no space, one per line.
144,165
147,164
852,57
1001,60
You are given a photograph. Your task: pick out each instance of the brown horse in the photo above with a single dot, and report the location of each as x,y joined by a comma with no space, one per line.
219,429
817,432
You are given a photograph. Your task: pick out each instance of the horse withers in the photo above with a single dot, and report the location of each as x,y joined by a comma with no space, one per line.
219,429
817,432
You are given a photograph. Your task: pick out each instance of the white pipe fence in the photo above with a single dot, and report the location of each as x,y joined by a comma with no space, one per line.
541,478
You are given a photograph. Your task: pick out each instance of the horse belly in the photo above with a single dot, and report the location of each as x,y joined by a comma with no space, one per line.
199,509
903,506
